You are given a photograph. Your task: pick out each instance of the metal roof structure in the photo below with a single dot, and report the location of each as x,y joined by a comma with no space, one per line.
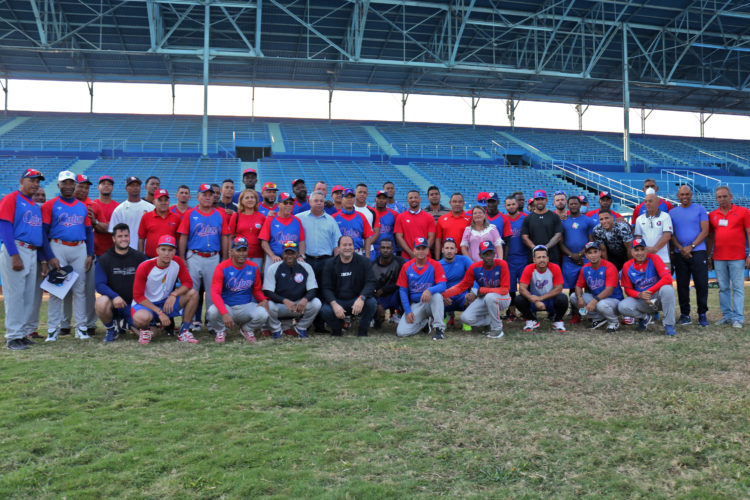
681,54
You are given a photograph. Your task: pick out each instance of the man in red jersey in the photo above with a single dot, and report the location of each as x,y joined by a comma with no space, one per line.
452,224
157,223
412,224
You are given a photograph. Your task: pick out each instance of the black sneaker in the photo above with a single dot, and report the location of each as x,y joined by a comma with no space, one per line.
596,323
64,331
27,341
439,334
16,345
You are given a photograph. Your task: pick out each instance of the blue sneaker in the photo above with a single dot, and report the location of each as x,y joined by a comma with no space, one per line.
684,319
111,335
642,324
669,330
277,335
702,320
301,333
656,316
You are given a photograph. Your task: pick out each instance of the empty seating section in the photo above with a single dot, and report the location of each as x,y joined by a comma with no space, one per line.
452,157
328,139
171,171
442,141
13,166
346,173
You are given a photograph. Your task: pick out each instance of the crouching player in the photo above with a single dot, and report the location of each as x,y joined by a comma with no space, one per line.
541,289
648,286
485,305
236,295
455,267
155,298
598,290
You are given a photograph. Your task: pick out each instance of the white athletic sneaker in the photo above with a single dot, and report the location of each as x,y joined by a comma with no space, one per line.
51,336
249,335
559,326
221,336
81,334
530,325
496,334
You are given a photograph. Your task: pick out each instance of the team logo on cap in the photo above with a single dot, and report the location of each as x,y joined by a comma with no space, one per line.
204,187
167,240
420,242
485,246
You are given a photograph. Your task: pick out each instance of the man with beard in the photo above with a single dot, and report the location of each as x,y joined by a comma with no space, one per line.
542,227
301,203
613,239
279,229
577,230
541,288
501,222
412,224
517,254
157,223
103,207
115,274
452,224
249,180
598,290
605,203
354,224
386,268
268,203
131,210
152,184
434,207
386,219
183,197
394,205
455,266
560,201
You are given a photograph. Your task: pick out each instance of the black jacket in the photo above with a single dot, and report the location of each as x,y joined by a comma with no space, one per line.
347,281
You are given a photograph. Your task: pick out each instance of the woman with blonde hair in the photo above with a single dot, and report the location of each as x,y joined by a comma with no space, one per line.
247,222
478,231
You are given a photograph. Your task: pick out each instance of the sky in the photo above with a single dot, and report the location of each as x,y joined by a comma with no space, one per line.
34,95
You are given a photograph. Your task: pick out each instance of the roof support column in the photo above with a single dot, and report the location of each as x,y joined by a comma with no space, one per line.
252,106
91,96
644,115
330,100
474,104
173,98
510,109
625,100
703,123
5,91
581,111
204,125
404,98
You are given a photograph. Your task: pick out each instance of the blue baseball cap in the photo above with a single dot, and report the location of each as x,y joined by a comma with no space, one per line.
486,246
590,246
420,242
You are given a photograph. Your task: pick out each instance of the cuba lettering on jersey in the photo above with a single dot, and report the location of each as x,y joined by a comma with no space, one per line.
516,248
204,230
277,230
233,287
542,283
355,225
25,215
67,220
387,220
596,280
262,208
417,280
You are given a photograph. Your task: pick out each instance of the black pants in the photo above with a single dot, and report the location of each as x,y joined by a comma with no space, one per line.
318,264
697,267
557,306
368,312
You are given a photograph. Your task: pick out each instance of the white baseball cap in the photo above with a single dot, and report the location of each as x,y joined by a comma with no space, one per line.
66,175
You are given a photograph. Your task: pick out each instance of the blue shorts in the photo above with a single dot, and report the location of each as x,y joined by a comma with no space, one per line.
176,310
570,272
392,301
516,266
458,302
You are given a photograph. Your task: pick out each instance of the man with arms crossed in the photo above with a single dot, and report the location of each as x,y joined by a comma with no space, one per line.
541,289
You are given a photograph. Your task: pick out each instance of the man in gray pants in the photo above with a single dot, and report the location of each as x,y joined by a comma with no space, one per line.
71,242
292,289
421,284
598,290
22,234
648,286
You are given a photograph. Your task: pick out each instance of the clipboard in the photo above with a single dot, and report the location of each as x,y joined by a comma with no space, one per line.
61,290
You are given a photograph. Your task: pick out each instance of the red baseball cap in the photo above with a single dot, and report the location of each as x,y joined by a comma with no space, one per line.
270,186
82,179
540,193
167,239
204,187
420,242
381,193
486,246
106,178
296,181
249,171
284,196
31,173
159,193
337,187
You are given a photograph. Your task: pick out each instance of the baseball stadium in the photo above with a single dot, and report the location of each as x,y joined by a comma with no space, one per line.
273,305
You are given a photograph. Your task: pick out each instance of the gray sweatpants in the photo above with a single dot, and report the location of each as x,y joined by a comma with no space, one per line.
201,271
248,316
276,311
75,257
90,300
422,312
486,310
639,308
18,288
37,299
605,309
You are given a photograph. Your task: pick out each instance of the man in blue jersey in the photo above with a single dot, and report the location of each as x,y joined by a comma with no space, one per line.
577,228
394,205
386,218
648,286
268,199
281,228
421,283
517,255
386,269
23,241
353,223
300,196
598,290
488,280
455,266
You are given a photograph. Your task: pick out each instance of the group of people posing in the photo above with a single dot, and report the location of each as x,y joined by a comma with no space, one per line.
276,263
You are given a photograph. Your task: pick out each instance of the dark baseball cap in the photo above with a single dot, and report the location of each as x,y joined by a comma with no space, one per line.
131,179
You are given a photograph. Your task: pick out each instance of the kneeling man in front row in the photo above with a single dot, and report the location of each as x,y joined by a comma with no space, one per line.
293,290
648,286
155,298
598,290
236,295
541,289
421,283
485,305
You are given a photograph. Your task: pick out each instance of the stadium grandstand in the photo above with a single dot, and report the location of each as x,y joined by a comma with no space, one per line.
671,55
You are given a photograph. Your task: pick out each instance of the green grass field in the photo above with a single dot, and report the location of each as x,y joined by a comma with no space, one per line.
584,414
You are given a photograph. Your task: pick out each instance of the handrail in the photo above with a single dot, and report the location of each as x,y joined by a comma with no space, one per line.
624,192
